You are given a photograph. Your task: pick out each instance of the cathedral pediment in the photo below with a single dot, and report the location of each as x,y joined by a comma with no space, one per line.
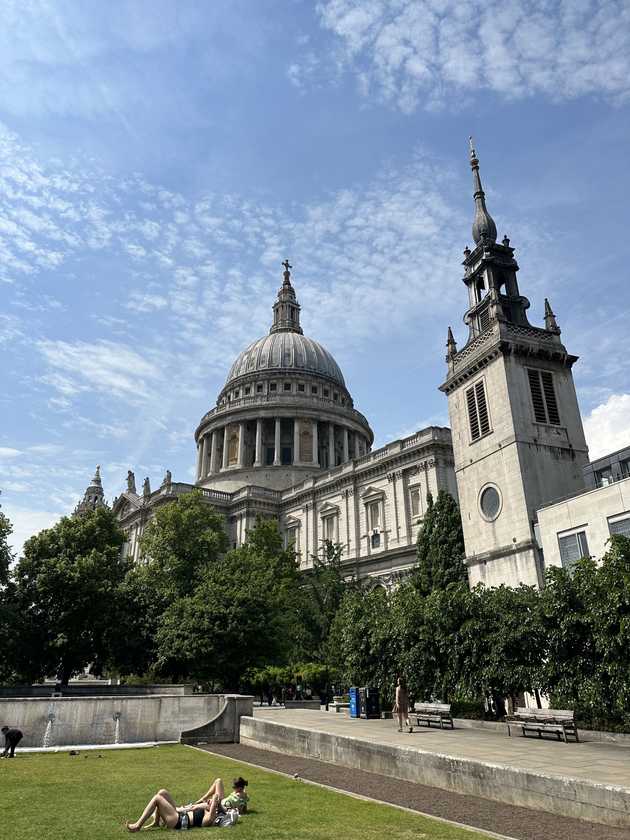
372,494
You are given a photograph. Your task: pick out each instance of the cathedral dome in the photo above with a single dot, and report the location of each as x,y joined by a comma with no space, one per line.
286,351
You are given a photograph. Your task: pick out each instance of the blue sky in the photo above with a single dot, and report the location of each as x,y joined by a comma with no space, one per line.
159,159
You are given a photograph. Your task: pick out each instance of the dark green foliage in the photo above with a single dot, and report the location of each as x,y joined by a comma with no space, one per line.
182,540
67,587
586,620
241,613
440,548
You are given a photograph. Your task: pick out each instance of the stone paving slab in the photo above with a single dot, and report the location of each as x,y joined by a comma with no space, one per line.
591,761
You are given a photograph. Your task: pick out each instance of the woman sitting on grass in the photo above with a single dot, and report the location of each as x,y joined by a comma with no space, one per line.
163,807
237,799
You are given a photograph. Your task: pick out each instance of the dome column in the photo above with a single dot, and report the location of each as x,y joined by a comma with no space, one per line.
276,447
199,451
346,446
258,455
357,445
225,448
296,441
204,456
214,450
241,445
331,445
315,444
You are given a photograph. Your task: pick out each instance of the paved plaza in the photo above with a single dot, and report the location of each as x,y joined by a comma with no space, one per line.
591,761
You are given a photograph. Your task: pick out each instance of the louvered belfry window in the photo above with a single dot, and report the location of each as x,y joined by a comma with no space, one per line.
543,396
478,416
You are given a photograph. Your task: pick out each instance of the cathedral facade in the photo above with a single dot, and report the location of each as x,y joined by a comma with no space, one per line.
285,440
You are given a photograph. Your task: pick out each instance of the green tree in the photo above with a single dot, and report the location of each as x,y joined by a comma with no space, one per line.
179,543
440,548
67,585
9,612
240,615
324,587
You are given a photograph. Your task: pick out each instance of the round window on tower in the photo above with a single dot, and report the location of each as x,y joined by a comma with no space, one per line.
490,502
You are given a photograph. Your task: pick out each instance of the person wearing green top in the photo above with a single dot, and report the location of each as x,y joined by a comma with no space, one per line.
237,799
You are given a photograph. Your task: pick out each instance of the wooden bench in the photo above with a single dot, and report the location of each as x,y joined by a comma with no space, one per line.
559,722
433,713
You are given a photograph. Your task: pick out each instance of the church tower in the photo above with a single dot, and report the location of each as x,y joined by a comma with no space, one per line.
517,431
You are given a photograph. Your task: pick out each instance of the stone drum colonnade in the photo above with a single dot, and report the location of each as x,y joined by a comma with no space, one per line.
277,441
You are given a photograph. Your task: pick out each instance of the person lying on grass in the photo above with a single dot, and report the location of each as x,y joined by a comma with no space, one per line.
166,812
238,799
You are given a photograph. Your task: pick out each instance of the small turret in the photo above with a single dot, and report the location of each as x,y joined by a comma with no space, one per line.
451,348
550,319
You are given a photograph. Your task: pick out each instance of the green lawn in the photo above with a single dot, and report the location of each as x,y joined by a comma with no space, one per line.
85,797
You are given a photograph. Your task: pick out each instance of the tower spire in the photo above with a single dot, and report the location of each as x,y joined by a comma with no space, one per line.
93,497
484,230
286,309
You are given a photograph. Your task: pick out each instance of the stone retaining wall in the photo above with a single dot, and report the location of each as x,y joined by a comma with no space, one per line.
67,721
606,804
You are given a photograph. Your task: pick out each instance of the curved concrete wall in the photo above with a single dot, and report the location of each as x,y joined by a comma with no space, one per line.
66,721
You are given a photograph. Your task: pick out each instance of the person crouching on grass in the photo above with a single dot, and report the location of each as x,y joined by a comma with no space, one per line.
237,799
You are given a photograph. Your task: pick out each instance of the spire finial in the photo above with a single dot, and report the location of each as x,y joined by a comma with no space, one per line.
287,273
484,229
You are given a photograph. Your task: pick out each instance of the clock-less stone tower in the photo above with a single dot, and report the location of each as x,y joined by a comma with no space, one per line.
517,431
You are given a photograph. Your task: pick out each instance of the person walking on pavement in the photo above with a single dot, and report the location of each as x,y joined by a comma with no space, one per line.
12,738
401,705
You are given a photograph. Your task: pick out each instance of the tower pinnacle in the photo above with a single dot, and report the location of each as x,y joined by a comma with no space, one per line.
484,230
93,497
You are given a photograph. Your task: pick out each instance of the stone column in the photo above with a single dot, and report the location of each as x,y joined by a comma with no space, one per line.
315,444
241,445
331,445
225,448
213,442
357,447
258,456
346,447
296,441
276,448
214,452
204,456
199,450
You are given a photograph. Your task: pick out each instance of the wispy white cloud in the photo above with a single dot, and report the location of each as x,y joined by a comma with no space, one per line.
607,426
421,53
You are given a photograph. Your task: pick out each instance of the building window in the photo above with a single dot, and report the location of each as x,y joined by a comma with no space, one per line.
291,538
335,395
314,389
572,548
543,396
620,525
603,477
374,515
414,499
287,386
273,386
247,390
478,416
329,528
490,502
236,394
300,386
375,540
259,389
286,456
624,466
326,392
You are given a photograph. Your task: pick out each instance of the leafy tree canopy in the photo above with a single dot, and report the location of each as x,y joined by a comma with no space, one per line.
184,537
440,548
67,587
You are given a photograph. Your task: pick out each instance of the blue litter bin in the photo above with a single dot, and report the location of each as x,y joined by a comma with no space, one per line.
355,708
